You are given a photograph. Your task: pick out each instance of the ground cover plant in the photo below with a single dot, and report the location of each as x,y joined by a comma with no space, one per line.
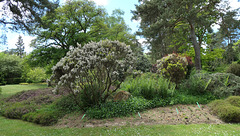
228,109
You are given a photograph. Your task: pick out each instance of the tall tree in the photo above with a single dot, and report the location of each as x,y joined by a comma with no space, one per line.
230,31
159,18
20,47
69,25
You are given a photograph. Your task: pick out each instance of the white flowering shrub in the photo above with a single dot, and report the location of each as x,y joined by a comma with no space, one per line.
94,71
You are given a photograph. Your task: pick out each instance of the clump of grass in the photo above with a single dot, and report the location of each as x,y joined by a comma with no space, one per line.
149,86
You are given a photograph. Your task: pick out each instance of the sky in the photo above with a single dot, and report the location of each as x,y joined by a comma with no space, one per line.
109,5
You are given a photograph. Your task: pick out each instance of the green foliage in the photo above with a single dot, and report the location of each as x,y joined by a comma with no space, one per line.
173,67
219,84
45,116
20,47
234,69
225,110
143,64
36,75
211,59
234,100
184,98
10,69
118,109
17,110
67,104
149,86
0,90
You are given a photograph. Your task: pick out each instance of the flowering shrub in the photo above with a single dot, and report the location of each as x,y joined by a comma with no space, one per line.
174,67
93,69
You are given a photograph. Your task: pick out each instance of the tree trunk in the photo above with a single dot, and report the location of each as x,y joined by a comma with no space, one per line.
196,46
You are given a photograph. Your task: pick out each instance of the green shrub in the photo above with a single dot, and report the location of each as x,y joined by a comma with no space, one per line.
225,111
10,68
67,104
234,100
17,110
149,86
36,75
0,90
174,67
219,84
46,116
143,64
234,69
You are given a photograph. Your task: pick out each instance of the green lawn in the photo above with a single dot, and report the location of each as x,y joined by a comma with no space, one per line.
9,90
10,127
20,128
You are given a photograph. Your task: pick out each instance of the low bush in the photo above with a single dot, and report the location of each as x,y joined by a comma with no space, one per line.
219,84
234,69
225,110
234,100
149,86
174,67
46,116
17,110
67,104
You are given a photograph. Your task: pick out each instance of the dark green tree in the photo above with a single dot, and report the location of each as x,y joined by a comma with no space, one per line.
20,47
230,32
160,18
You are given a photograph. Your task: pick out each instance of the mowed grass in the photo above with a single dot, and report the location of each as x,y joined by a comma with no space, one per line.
20,128
10,127
9,90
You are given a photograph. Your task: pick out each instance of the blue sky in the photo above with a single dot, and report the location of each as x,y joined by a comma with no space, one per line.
109,5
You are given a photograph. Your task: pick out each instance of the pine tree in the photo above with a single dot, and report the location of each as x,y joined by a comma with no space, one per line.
20,46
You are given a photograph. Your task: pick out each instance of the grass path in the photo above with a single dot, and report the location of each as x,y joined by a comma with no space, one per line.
11,127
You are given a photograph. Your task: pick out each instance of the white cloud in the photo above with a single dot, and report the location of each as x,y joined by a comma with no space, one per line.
101,2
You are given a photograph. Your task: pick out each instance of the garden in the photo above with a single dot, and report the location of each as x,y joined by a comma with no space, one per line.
89,75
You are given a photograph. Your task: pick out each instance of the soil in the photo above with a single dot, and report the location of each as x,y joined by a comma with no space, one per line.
171,115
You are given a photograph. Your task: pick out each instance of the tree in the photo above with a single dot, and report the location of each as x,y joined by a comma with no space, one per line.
69,25
24,14
20,47
76,22
10,69
159,19
230,31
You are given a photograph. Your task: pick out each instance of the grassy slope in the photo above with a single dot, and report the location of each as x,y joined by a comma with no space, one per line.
11,127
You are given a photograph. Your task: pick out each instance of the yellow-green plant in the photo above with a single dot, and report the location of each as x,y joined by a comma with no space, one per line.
173,66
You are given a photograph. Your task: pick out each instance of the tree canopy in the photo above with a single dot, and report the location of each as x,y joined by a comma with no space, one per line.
163,18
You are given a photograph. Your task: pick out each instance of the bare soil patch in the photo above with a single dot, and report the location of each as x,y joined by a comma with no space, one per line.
172,115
